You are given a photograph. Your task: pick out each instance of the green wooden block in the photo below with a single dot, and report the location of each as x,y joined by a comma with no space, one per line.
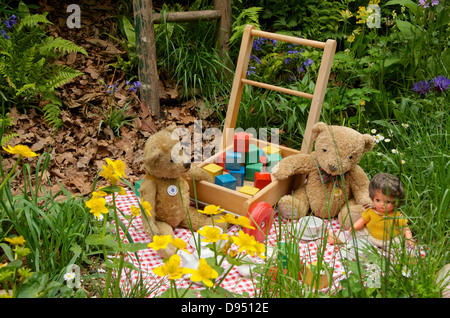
252,156
251,169
272,160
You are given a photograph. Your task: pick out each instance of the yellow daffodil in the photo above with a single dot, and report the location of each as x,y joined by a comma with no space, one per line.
231,219
97,205
227,218
135,211
21,150
147,207
171,268
113,171
18,240
160,242
244,222
211,210
99,193
245,242
260,249
204,273
179,244
212,234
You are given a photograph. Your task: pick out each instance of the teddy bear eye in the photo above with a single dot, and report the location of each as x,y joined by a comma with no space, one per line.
324,150
351,157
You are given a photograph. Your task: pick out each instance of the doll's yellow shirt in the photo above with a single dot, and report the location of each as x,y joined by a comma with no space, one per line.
380,227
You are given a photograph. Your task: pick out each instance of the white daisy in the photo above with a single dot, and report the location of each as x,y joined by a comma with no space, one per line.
405,125
394,151
373,131
387,140
69,276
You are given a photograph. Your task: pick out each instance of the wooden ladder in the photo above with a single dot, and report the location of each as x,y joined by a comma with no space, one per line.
328,47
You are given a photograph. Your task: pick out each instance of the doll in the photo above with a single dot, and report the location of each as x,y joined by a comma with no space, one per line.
382,221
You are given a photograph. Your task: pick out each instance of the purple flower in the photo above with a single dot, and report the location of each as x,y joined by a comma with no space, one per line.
4,34
111,89
308,62
11,21
251,70
422,87
254,57
287,60
441,83
257,42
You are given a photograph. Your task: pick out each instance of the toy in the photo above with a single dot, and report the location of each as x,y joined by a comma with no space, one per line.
166,188
252,156
248,190
226,180
333,176
239,175
382,222
251,169
241,142
262,179
233,160
214,170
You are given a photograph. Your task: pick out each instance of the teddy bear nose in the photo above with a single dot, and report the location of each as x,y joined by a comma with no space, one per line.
187,165
332,168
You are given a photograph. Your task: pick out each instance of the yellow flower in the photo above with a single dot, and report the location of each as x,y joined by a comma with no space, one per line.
351,38
260,249
204,273
347,14
362,15
20,150
113,171
172,268
147,207
212,234
135,211
211,210
18,240
179,244
231,219
122,191
97,205
99,193
245,242
160,242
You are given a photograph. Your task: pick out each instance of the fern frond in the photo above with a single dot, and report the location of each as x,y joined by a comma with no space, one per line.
5,138
61,75
52,110
52,44
33,20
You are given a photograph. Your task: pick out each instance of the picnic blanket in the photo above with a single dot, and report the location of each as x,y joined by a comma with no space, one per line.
148,259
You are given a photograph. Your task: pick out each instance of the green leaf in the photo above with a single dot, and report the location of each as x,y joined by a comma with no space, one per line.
7,251
407,3
97,239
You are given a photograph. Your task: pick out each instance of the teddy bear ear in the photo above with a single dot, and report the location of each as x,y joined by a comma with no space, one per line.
171,128
368,142
317,129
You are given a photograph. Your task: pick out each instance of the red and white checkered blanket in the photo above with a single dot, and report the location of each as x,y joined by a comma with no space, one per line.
234,282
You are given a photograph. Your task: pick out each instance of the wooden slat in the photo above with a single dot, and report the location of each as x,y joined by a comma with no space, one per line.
188,16
276,88
287,38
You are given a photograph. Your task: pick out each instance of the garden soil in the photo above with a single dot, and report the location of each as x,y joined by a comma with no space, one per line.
80,147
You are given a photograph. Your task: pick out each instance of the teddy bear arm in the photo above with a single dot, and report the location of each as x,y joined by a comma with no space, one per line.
359,183
294,164
148,191
198,174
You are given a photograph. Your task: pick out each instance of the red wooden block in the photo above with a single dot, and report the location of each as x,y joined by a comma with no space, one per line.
262,179
220,160
241,142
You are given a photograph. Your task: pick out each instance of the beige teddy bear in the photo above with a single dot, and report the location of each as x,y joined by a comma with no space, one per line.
165,187
335,184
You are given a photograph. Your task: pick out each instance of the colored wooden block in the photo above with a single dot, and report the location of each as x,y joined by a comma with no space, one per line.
270,150
233,160
220,160
252,156
213,169
226,180
239,175
248,190
272,160
262,179
263,160
241,142
250,170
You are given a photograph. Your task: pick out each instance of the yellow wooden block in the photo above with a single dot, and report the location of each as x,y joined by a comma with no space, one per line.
249,190
213,169
271,150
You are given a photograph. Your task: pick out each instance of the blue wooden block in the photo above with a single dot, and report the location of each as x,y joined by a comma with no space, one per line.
239,175
226,180
233,160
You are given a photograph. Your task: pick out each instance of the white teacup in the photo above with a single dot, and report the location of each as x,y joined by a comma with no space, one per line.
309,226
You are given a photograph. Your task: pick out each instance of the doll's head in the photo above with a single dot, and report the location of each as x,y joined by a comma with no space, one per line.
386,192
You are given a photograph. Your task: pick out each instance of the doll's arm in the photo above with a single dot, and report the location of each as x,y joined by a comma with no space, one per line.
294,164
359,183
358,225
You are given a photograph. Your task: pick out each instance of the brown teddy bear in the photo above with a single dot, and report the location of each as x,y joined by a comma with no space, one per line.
335,184
166,188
